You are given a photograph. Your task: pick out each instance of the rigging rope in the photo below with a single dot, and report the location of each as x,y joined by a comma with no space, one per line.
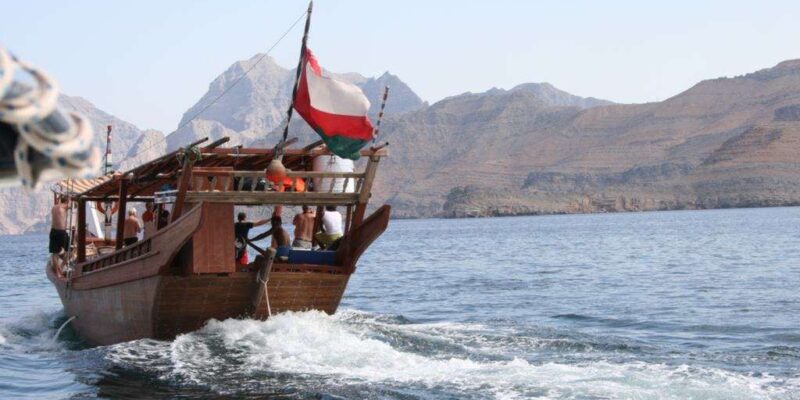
64,325
224,92
380,115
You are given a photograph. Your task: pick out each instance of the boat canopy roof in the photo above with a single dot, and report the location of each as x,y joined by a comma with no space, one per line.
148,178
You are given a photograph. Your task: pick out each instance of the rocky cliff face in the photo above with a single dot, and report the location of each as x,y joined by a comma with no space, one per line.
22,211
729,142
254,111
250,113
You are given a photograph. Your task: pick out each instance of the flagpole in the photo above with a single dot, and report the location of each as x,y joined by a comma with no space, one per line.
108,167
297,74
276,172
380,114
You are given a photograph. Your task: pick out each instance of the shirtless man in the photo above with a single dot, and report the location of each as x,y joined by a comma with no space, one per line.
59,239
280,238
304,228
132,228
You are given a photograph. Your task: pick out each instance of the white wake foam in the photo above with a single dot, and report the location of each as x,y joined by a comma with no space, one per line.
338,352
31,333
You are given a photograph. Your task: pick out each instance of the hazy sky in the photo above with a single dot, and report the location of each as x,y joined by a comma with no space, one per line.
148,61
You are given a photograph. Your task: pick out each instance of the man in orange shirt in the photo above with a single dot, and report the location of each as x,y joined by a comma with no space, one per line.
149,220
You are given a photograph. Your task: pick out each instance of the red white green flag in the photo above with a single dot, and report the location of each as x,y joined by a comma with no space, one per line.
336,110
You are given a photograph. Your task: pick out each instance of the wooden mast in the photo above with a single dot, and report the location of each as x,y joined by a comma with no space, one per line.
81,230
278,159
183,185
123,202
298,71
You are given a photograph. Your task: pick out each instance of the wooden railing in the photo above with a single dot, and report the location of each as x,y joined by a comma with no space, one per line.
127,253
251,187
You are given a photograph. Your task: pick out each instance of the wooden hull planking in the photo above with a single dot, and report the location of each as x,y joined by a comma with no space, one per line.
162,307
150,291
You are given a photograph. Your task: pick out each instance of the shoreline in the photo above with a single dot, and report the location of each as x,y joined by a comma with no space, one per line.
534,214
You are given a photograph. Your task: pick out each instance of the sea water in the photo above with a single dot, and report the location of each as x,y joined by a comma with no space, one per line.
668,305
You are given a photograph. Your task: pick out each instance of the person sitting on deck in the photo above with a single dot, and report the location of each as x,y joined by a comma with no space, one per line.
280,238
59,239
304,228
331,227
242,229
132,227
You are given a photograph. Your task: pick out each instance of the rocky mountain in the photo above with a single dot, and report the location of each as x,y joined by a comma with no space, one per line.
532,149
556,97
257,105
728,142
23,211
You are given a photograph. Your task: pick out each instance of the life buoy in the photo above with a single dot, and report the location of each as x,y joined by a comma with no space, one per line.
101,208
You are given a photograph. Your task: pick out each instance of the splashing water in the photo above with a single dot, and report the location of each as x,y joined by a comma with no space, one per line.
353,348
676,305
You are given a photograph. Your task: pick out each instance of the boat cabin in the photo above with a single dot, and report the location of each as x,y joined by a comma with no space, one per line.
220,180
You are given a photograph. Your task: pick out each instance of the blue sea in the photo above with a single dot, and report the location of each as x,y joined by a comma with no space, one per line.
662,305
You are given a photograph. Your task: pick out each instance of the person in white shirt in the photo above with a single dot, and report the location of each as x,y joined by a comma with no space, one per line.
331,227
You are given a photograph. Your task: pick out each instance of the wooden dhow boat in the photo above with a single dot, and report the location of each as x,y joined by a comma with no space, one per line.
186,273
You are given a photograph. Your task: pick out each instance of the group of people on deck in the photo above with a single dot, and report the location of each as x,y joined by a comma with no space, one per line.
303,232
152,220
149,223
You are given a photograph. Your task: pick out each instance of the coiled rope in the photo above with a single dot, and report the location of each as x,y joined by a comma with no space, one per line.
51,145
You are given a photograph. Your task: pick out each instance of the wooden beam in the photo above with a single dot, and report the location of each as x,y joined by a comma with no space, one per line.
361,236
292,152
317,225
321,174
216,143
274,198
81,230
313,145
149,186
348,218
366,190
183,186
137,170
123,197
289,174
284,145
142,199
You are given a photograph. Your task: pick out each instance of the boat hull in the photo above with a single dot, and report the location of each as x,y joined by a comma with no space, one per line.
175,281
162,307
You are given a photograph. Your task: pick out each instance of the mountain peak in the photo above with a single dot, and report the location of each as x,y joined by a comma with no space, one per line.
258,103
545,92
557,97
